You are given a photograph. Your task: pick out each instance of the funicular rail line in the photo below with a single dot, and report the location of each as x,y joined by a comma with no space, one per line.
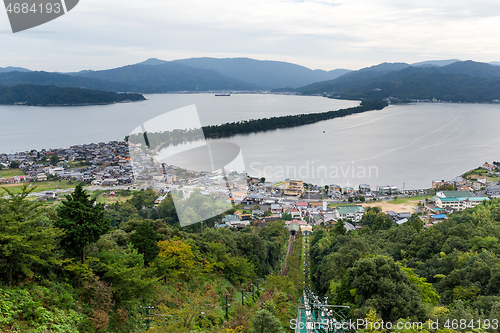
315,315
289,251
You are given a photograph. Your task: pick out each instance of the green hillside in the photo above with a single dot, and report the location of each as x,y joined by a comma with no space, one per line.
462,81
449,271
51,95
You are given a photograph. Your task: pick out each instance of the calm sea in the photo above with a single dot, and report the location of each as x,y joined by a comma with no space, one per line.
407,145
29,127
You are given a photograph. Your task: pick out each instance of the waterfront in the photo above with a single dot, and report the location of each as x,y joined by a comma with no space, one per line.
406,145
28,127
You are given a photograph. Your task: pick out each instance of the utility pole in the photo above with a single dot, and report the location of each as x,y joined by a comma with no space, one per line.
148,319
227,306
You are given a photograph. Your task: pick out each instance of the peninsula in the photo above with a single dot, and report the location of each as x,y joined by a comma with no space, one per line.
37,95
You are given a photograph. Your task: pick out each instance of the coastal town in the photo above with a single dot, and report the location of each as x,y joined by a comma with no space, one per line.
109,167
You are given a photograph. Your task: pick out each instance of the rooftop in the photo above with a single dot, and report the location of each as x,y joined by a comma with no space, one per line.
454,194
350,209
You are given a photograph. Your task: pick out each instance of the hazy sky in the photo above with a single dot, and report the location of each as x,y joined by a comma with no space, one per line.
324,34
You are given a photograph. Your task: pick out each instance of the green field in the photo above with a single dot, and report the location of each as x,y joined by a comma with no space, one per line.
40,186
333,205
9,173
493,179
398,201
476,173
409,200
111,200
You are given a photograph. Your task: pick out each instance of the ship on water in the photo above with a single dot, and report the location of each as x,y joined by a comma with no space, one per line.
222,94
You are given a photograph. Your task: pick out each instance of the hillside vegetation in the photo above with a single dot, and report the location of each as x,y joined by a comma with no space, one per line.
51,95
449,271
462,81
78,267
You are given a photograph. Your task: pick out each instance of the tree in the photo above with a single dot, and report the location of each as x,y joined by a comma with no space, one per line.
83,219
26,235
265,322
124,270
145,241
176,258
54,159
186,308
339,228
378,283
14,164
375,219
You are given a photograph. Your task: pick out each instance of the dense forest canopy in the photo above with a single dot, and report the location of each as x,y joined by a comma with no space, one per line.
137,257
28,94
447,271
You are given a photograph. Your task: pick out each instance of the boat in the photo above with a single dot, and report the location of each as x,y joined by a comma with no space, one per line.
222,95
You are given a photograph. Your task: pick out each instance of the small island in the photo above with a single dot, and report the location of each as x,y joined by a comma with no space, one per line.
38,95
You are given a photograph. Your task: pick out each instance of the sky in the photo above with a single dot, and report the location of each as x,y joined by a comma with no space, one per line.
318,34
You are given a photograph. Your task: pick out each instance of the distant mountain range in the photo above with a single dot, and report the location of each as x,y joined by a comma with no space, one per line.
167,77
442,79
13,69
265,74
196,74
461,81
62,80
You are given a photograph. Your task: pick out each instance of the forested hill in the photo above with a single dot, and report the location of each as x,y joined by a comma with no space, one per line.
462,81
14,78
28,94
78,266
448,271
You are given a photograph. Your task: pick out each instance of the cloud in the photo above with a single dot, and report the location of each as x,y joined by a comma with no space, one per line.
314,33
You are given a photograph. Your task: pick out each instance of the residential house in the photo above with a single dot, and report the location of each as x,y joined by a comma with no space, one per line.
302,205
439,183
294,212
348,190
276,208
458,181
354,213
41,177
349,226
364,188
257,212
477,186
293,187
388,190
493,191
437,218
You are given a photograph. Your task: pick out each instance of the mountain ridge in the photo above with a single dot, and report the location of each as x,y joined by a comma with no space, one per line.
457,81
244,74
167,77
62,80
